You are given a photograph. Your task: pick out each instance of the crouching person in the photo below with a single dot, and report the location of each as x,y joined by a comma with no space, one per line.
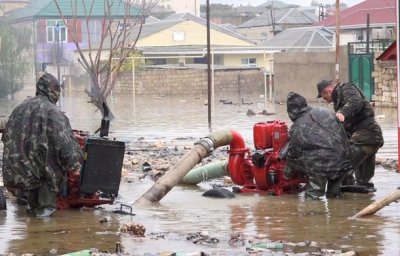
318,148
39,149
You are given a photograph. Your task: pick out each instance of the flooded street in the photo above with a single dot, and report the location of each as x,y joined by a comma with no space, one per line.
182,121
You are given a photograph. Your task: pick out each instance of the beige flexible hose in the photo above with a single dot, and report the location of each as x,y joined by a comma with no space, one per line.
200,150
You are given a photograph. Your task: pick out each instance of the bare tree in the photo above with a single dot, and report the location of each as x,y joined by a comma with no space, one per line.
104,53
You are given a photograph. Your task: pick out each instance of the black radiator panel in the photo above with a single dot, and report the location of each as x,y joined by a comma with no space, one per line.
102,165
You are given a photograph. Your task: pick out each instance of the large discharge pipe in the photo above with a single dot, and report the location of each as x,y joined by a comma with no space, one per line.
201,149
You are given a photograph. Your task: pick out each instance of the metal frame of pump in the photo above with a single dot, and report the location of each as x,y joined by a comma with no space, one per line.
262,170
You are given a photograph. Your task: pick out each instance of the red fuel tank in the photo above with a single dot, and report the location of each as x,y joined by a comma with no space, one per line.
262,135
279,135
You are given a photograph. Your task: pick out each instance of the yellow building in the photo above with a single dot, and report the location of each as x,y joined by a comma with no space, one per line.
182,39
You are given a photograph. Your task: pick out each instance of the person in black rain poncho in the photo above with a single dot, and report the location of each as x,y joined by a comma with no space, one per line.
39,149
318,148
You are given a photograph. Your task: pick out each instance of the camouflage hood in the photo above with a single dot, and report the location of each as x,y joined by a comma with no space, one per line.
48,86
296,106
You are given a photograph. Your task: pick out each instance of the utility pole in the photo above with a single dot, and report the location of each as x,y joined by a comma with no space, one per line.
367,49
337,43
58,50
321,12
398,81
273,17
208,64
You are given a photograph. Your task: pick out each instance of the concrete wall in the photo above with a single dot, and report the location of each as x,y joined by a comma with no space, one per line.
301,71
190,82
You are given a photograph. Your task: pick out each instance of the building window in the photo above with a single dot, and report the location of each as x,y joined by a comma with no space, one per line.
156,62
178,35
56,28
249,62
263,37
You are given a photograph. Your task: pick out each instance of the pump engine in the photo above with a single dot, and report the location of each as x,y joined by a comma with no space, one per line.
99,179
262,170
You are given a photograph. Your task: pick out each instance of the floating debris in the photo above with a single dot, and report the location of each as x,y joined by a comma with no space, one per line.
133,229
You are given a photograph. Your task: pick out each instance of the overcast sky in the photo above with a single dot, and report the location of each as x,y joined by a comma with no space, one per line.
299,2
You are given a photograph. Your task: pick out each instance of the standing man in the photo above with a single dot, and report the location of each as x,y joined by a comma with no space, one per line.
318,147
39,148
357,116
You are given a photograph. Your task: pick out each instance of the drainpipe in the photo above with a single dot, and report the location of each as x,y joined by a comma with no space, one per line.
201,149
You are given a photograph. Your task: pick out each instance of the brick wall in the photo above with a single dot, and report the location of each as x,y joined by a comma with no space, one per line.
384,75
190,82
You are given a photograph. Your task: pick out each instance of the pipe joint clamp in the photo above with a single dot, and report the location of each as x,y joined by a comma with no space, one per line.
206,142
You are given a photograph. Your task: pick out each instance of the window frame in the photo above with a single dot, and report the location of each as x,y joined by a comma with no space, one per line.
249,62
51,31
178,35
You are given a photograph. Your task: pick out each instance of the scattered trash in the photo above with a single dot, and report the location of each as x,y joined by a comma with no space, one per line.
237,240
277,245
146,167
133,229
105,220
265,112
246,103
226,101
79,253
202,238
219,193
121,211
250,112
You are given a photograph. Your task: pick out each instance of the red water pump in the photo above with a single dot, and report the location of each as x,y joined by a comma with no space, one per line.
262,170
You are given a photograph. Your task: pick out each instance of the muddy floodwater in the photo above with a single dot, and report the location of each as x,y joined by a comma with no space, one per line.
181,121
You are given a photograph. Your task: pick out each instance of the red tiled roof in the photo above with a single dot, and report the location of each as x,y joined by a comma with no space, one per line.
389,54
380,12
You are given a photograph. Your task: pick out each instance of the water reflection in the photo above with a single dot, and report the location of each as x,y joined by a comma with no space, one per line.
167,118
184,210
68,231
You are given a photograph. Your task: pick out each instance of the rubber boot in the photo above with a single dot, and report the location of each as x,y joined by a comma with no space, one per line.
365,172
363,161
333,188
46,199
31,197
315,187
349,180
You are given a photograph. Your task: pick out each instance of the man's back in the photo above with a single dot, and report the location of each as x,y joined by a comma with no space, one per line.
318,144
25,143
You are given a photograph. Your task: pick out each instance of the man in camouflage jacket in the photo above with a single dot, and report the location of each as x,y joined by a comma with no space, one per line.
357,116
39,148
318,148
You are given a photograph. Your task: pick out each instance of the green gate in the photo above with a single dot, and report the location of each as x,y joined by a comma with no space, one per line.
360,73
361,63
